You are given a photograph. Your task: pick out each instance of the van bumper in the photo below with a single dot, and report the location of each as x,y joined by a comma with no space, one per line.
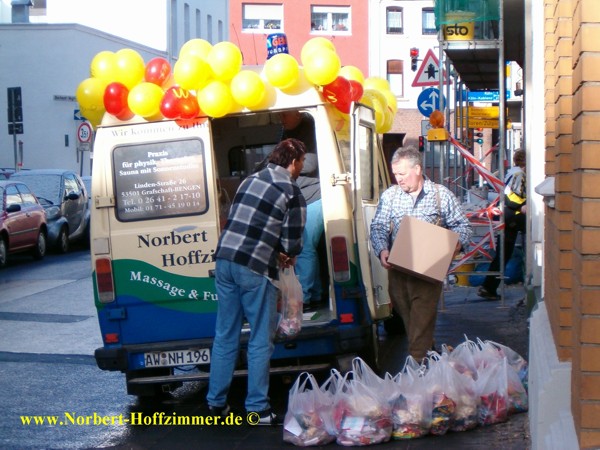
113,359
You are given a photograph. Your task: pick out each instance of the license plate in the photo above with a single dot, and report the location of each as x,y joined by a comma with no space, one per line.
177,358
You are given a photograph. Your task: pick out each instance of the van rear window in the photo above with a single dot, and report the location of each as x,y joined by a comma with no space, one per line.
160,179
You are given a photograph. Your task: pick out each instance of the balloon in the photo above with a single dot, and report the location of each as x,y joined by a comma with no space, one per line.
322,67
281,70
391,99
352,73
247,88
157,71
215,99
225,60
375,94
388,121
338,94
313,44
195,47
299,86
191,73
90,94
144,99
178,103
356,90
93,116
130,67
115,99
377,83
104,66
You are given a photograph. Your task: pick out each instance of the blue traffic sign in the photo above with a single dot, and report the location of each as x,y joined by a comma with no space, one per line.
429,100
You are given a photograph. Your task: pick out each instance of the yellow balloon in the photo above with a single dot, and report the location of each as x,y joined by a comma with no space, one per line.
93,116
104,66
378,95
391,99
247,88
322,67
281,70
377,83
352,73
225,60
313,44
144,99
130,67
300,85
191,72
90,94
379,114
195,47
388,121
215,99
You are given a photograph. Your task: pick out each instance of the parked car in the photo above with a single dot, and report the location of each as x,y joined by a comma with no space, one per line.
65,197
22,221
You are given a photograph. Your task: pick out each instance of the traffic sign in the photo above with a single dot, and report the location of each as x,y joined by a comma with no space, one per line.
84,132
429,100
429,72
15,128
481,112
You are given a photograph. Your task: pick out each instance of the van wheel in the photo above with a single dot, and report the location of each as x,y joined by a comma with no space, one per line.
39,251
62,244
3,252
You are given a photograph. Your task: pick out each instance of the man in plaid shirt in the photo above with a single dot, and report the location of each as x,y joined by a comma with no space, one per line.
263,231
415,299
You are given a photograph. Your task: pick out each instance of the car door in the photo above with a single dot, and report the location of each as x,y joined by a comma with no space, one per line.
367,163
17,222
34,213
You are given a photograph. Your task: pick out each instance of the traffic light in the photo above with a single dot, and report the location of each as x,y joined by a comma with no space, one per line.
421,143
414,57
479,135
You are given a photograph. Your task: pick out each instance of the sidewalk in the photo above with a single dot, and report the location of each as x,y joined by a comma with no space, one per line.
464,313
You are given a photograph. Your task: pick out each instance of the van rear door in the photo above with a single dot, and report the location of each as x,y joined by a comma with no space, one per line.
161,217
367,168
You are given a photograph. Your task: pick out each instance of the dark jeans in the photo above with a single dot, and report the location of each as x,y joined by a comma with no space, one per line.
513,224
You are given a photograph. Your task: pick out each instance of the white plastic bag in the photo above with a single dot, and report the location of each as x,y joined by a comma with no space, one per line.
290,320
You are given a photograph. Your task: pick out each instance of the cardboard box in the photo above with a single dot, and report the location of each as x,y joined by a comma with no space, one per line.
423,249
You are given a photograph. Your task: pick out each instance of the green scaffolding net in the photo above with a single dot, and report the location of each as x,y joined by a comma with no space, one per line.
453,11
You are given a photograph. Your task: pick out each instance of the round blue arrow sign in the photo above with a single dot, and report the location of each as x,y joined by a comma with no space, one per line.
429,100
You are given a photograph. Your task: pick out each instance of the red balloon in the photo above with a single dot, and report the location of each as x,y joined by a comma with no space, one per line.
338,94
115,99
356,90
179,103
157,71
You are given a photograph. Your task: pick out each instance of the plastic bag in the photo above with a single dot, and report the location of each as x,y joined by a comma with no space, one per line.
290,321
492,389
308,418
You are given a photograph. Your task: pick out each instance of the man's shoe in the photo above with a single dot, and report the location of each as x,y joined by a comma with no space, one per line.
269,418
222,411
484,293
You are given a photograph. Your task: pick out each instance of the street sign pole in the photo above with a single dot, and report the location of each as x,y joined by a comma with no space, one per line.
15,112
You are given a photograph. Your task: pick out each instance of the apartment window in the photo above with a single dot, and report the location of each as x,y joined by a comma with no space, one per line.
394,20
428,19
395,76
331,19
260,18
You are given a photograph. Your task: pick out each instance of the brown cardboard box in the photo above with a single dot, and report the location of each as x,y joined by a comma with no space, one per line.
423,249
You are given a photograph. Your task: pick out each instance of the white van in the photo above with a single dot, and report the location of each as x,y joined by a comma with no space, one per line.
161,191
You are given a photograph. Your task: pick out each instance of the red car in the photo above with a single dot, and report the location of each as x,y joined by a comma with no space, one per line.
22,221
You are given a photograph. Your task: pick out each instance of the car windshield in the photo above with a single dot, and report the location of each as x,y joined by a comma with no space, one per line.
45,187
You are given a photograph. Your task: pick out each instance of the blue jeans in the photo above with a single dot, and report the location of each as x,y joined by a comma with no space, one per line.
307,263
242,293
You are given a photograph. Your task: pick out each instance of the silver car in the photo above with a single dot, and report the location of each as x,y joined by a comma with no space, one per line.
64,196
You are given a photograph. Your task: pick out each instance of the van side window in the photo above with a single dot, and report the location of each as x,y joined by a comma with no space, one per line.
160,179
366,152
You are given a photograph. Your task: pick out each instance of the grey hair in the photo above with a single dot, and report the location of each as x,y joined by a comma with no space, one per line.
409,153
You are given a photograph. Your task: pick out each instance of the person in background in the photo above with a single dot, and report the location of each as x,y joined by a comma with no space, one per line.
515,209
263,232
415,299
301,126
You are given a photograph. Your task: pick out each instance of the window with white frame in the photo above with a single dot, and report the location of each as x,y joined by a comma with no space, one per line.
395,76
330,19
262,17
428,21
394,20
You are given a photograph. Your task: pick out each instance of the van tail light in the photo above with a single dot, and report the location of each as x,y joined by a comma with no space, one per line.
339,256
104,280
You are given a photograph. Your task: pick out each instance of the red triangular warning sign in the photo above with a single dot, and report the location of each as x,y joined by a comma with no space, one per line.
429,72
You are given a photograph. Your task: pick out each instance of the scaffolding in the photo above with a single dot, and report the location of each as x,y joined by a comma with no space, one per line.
471,36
